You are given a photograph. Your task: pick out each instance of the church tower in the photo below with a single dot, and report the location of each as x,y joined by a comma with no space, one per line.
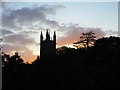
47,46
54,40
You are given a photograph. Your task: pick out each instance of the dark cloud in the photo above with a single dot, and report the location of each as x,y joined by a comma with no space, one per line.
6,32
3,4
8,48
30,32
33,19
28,16
52,23
22,39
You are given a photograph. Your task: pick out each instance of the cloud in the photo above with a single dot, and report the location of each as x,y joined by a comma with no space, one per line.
3,4
23,51
29,16
29,32
111,32
26,21
8,48
6,32
73,32
36,18
20,42
20,38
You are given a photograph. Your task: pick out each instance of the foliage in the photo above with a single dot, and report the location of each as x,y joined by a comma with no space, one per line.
71,69
11,62
86,40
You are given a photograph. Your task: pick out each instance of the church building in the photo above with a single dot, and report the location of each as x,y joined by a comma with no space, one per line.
47,46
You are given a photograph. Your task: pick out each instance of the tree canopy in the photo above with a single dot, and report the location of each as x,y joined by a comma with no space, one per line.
86,40
71,69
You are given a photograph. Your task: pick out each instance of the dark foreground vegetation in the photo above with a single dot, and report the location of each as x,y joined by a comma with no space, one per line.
71,69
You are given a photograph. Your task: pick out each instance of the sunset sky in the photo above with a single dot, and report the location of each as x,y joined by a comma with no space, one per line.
23,21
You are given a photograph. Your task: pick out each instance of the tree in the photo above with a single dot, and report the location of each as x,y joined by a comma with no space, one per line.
36,61
109,44
86,40
63,50
11,62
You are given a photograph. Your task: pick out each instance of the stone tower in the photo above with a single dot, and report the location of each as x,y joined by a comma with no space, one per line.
47,46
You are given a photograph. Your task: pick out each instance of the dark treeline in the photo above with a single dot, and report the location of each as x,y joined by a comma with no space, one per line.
70,69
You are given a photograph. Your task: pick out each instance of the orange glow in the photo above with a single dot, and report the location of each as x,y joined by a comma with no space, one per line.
26,57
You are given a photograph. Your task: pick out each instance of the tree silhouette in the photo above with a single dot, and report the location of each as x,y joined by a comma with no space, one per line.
37,61
62,50
11,62
71,69
107,48
86,40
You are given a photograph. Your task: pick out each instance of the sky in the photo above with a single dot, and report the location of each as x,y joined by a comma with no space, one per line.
22,23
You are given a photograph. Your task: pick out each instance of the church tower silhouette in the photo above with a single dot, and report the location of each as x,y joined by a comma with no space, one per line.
47,46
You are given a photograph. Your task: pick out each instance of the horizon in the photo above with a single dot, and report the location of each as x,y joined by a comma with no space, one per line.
22,23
